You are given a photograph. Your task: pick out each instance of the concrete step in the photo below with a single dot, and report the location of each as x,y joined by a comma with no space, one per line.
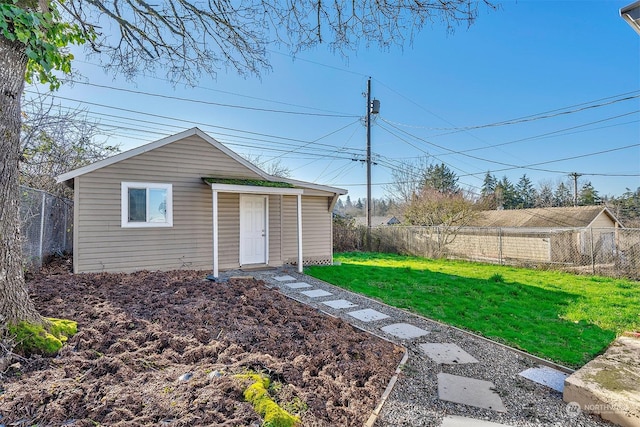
609,385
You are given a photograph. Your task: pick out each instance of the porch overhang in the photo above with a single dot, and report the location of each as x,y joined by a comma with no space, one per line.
254,189
241,188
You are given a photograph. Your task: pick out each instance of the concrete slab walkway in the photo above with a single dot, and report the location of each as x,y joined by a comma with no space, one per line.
467,380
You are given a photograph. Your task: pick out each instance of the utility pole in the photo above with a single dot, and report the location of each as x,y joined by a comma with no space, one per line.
575,176
372,108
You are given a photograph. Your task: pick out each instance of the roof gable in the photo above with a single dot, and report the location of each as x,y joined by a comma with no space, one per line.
68,176
568,217
157,144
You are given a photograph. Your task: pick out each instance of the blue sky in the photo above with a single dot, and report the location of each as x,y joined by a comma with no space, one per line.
568,72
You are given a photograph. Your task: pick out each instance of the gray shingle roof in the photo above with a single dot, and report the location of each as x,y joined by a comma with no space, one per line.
581,216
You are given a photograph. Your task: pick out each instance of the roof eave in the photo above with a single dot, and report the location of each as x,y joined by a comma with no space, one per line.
156,144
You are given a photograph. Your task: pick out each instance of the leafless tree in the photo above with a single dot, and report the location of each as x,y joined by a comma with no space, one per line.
55,140
272,167
407,180
443,215
185,38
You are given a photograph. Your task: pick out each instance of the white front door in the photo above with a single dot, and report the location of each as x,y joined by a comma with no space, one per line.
253,229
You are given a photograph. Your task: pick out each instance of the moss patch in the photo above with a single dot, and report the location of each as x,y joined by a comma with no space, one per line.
258,396
253,182
614,378
37,339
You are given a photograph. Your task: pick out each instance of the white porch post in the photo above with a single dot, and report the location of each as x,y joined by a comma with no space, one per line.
215,232
299,233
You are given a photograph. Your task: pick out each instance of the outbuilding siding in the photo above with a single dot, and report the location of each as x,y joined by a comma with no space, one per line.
316,230
103,245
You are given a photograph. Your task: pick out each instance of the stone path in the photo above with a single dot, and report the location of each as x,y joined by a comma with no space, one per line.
383,320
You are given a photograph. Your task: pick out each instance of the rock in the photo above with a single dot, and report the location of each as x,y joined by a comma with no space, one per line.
214,374
185,377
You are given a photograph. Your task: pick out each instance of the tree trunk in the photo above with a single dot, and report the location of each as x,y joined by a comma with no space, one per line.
15,304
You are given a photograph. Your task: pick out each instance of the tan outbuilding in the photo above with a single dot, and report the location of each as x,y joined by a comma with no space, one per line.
189,202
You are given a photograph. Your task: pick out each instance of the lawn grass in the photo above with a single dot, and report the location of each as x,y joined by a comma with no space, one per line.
558,316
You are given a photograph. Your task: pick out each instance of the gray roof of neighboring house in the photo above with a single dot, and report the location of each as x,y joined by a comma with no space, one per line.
569,217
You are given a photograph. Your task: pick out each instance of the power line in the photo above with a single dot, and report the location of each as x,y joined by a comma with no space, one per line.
547,134
182,121
235,93
538,116
218,104
512,166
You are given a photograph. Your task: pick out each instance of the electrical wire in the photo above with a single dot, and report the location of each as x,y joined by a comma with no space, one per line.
218,104
538,116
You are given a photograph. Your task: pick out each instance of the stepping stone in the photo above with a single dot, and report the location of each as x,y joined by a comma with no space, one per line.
545,375
297,285
339,303
367,315
316,293
469,391
404,330
457,421
285,278
447,353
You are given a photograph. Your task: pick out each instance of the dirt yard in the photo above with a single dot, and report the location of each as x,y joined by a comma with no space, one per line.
163,348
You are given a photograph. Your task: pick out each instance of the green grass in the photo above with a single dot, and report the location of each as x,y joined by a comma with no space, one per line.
558,316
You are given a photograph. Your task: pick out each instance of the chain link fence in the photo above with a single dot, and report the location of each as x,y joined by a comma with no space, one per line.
602,251
46,226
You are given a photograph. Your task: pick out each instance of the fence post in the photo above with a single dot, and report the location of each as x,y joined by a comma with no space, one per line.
593,258
500,244
42,209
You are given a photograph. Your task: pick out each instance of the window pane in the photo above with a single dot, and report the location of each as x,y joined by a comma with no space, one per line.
137,205
157,205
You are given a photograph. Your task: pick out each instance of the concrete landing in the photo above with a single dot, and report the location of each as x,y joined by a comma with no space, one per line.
404,330
609,385
284,278
469,391
458,421
447,353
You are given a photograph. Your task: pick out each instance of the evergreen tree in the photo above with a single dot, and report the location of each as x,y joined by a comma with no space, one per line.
348,204
525,193
488,185
440,178
562,196
381,207
544,197
627,208
588,195
506,195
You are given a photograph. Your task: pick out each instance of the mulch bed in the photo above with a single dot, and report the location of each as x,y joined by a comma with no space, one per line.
162,348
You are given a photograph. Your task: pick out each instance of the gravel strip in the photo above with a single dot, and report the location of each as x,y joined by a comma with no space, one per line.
414,399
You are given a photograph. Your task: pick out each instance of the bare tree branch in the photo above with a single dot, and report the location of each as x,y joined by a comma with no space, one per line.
188,37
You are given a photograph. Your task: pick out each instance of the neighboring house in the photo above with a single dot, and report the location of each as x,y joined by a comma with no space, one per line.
570,217
377,221
187,201
557,235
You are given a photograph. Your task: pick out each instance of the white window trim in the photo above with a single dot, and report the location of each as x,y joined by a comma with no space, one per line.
124,204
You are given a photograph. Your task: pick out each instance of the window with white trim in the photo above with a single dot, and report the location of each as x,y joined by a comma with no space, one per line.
146,204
